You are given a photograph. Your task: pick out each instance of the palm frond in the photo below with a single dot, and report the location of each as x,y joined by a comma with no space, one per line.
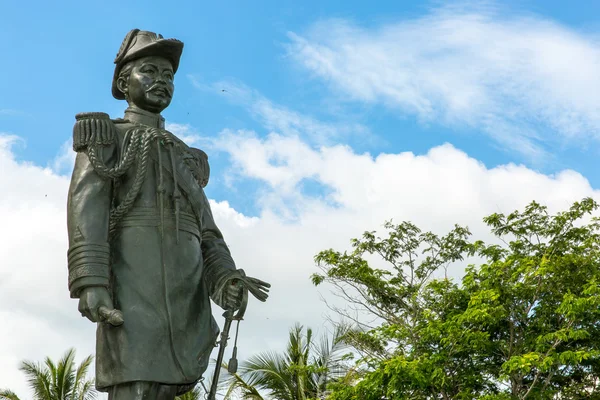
6,394
52,370
65,376
309,340
270,371
304,370
194,394
86,391
59,381
329,357
244,390
39,380
83,388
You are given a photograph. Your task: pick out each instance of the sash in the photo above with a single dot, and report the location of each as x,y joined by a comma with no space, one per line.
186,181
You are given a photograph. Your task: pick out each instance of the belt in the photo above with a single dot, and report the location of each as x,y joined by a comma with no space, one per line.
139,216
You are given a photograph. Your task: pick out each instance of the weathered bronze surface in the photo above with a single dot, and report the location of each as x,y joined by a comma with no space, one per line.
145,254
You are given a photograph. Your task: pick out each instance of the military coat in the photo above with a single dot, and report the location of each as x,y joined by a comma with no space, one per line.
141,225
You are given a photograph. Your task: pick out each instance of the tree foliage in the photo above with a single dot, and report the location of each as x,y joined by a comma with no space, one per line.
522,324
57,381
195,394
302,372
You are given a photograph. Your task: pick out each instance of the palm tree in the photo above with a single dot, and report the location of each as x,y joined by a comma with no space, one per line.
6,394
61,381
194,394
302,372
243,389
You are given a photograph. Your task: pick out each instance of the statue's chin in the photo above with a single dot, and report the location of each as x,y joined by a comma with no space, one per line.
154,107
150,102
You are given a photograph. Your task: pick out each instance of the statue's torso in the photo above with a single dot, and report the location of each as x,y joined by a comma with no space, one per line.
157,273
149,196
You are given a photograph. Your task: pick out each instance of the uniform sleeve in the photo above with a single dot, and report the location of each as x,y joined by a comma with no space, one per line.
88,210
219,266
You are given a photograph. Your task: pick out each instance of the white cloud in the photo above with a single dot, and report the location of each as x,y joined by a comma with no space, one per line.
281,161
39,318
434,190
64,161
526,81
281,119
184,132
403,186
450,67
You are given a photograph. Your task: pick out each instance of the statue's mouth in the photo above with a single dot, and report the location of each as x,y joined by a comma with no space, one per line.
160,91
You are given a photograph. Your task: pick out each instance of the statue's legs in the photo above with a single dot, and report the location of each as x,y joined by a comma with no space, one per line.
142,391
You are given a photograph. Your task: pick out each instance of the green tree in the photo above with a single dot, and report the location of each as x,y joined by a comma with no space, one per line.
524,324
57,381
194,394
240,388
302,372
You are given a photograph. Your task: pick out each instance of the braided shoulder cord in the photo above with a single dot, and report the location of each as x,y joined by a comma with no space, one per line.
121,167
137,151
146,136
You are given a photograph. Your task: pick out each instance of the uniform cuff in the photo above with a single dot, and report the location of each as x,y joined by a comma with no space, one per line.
87,261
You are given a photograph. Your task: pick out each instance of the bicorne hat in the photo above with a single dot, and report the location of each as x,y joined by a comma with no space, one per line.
138,44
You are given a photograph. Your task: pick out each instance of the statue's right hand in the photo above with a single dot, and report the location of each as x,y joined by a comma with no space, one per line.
91,299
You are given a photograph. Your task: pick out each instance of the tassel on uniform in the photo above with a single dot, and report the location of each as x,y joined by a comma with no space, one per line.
176,191
161,190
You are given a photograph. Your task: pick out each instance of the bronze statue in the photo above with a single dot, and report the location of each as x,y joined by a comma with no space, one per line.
145,254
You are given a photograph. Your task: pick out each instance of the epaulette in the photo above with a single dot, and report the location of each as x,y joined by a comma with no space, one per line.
203,168
93,128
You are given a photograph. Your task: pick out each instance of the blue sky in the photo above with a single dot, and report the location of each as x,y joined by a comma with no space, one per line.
58,61
336,117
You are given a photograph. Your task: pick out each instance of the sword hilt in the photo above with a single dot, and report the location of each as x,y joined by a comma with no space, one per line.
113,317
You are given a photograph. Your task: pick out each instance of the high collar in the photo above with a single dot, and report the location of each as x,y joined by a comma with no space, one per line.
135,114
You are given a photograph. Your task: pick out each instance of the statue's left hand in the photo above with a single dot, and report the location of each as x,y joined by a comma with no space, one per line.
234,290
233,295
258,288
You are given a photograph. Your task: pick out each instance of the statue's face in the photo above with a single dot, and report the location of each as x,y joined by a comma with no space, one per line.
150,84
